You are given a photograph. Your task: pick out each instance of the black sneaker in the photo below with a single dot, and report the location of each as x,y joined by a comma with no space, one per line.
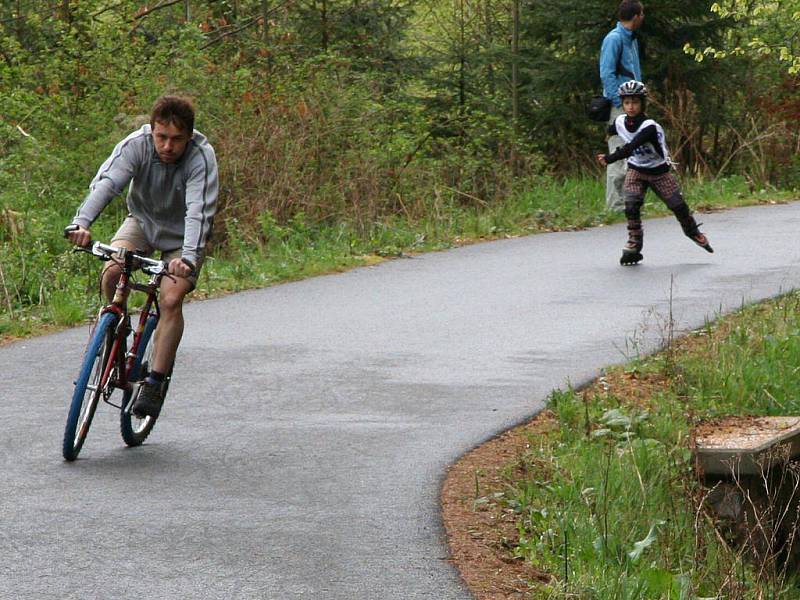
148,402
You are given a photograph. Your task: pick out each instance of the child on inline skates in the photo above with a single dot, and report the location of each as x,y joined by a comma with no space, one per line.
648,166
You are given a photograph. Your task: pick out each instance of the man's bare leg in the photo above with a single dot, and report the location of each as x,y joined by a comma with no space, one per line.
166,339
170,326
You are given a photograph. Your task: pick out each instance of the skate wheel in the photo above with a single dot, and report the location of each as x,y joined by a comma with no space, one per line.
630,258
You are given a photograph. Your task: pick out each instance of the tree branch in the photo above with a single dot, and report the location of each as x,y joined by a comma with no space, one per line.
108,8
223,35
143,12
250,23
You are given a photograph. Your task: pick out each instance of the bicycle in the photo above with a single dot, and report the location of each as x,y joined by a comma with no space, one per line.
110,362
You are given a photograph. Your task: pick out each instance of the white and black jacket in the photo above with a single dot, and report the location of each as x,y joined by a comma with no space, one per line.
645,144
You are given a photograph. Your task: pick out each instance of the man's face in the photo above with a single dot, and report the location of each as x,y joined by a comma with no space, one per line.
638,20
632,105
170,141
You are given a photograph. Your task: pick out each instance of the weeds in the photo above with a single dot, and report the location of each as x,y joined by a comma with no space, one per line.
622,513
42,284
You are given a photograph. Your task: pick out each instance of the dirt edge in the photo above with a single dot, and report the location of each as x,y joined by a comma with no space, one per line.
480,533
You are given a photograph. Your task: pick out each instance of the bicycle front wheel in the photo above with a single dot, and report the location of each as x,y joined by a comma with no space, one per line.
88,388
133,429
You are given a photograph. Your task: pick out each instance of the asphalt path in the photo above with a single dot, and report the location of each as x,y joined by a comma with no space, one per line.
309,425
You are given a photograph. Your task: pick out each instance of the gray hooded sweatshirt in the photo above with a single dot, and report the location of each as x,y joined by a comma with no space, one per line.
174,202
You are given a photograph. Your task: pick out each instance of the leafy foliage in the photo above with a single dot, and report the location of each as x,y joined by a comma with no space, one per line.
767,29
348,115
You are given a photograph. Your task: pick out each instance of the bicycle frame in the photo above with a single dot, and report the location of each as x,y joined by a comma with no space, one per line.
118,358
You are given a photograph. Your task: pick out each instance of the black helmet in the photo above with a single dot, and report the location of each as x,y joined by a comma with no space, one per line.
632,88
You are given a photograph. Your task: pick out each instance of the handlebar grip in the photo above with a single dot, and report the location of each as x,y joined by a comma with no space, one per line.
190,264
70,228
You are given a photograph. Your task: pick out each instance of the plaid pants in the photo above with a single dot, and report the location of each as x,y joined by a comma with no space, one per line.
665,186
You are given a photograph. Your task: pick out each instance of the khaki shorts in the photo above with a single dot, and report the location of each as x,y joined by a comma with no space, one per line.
130,231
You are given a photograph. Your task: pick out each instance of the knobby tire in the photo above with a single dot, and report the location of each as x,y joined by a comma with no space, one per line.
85,400
133,429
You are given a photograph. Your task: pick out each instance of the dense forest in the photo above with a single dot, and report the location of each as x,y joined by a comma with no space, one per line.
352,111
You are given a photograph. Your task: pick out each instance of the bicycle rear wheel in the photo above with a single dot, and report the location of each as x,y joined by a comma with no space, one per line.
133,429
87,387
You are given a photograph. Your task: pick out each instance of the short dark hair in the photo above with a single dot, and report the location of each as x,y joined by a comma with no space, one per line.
173,110
629,9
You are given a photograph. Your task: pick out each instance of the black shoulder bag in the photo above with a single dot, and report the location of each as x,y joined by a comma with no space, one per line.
599,108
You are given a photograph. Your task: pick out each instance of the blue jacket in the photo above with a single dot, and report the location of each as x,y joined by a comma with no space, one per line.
618,40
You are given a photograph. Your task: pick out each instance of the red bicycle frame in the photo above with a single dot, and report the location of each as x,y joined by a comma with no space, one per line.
124,364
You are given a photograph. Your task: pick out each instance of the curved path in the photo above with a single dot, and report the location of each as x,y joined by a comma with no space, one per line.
310,424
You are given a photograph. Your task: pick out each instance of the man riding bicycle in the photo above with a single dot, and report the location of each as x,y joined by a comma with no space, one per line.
172,198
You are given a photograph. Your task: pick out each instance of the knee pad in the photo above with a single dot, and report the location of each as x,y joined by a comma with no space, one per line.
685,218
676,202
633,207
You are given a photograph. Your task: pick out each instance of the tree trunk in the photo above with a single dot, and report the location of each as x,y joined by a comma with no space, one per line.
515,66
462,59
487,11
324,25
20,28
265,22
265,33
515,84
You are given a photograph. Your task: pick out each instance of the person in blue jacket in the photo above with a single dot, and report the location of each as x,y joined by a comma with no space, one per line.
619,62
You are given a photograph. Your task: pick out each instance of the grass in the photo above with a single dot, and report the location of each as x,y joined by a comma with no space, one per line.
606,499
300,249
43,285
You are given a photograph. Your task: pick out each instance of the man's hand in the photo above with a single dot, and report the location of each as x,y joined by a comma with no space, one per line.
78,235
180,267
601,158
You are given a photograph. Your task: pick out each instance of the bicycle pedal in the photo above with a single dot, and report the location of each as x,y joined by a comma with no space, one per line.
127,408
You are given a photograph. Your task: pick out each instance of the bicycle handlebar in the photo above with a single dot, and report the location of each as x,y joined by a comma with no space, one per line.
148,265
105,252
